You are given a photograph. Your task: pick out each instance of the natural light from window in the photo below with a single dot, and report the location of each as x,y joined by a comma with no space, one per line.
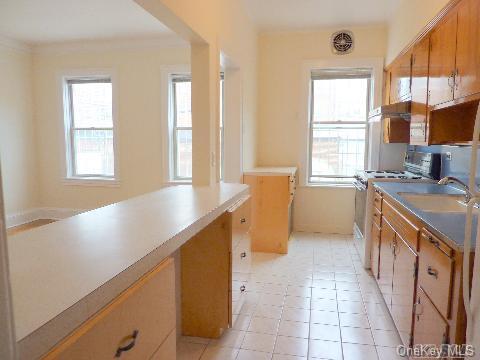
338,125
91,145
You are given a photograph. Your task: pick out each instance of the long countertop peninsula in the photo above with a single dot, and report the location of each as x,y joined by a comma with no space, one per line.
63,273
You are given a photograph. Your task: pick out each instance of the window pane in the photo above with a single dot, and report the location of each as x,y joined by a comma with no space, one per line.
340,100
93,150
92,105
184,154
183,104
337,150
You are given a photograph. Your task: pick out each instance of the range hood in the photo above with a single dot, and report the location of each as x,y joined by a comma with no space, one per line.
399,110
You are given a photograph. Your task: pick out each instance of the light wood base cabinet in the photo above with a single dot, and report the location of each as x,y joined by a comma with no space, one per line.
136,325
272,201
240,215
420,278
205,280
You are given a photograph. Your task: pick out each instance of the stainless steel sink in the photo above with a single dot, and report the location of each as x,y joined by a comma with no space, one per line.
437,202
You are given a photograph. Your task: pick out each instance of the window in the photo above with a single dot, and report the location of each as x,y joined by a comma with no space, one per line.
340,101
182,127
181,114
222,132
89,128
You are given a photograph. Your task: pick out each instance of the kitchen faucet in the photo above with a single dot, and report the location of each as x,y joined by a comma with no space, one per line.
453,180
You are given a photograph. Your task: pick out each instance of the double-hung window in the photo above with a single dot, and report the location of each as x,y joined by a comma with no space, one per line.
181,119
339,105
89,128
182,127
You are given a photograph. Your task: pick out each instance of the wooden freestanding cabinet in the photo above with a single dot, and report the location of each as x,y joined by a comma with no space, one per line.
272,190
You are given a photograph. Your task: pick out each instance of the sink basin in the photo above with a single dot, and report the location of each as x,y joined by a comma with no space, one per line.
437,202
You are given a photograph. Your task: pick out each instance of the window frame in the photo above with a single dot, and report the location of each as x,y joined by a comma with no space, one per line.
70,176
174,79
359,73
168,74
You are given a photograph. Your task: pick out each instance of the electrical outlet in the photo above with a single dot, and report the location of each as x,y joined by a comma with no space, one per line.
448,156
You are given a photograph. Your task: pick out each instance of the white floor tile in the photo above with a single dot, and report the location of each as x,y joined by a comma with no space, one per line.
291,346
259,342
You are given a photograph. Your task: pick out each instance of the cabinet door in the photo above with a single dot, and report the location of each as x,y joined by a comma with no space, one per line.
375,249
400,78
403,294
468,49
442,60
418,123
385,276
430,327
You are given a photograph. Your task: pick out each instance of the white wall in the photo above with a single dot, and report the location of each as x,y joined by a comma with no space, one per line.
407,21
138,76
17,140
280,137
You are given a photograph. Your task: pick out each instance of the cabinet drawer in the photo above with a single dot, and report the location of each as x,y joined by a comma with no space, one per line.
292,186
144,315
435,272
377,200
241,220
403,226
377,217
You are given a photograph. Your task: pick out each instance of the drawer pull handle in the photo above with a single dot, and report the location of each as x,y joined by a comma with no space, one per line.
435,243
432,272
242,288
243,255
243,221
132,338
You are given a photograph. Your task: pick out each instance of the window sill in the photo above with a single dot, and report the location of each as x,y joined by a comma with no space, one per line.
328,185
178,182
79,181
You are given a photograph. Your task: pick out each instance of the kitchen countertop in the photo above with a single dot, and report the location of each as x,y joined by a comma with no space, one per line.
449,226
63,273
271,171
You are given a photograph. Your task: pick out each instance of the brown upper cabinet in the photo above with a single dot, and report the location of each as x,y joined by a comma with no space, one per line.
420,62
442,60
443,79
400,78
467,80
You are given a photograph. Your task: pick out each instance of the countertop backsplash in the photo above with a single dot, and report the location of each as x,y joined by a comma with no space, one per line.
458,166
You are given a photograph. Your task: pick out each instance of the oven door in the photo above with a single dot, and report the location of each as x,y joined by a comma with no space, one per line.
360,206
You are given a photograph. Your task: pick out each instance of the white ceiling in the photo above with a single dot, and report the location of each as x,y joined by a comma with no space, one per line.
47,21
271,15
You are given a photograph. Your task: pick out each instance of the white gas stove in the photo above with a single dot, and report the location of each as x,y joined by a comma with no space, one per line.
418,167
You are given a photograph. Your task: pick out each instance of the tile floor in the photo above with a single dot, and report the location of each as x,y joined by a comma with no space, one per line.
317,302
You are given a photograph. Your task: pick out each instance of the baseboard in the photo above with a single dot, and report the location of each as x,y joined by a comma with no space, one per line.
30,215
323,229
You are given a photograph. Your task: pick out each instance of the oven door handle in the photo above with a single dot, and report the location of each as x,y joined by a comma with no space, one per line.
359,186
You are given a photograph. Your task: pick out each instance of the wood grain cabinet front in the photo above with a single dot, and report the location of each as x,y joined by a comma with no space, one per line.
272,197
385,272
241,251
418,122
403,289
443,41
375,256
435,272
467,81
430,326
134,326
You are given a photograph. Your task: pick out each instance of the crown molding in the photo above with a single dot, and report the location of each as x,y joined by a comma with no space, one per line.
162,42
13,44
